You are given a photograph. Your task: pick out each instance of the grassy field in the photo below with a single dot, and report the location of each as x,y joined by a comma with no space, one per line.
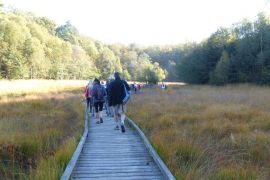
40,124
204,132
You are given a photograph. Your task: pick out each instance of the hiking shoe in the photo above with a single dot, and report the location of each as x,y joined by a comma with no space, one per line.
97,122
101,120
123,128
116,128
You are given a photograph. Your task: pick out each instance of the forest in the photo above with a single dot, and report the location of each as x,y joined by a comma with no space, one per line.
33,47
239,54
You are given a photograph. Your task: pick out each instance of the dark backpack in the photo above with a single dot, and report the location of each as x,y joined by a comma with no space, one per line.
99,93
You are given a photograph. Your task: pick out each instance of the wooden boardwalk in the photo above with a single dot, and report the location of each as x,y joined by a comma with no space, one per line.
111,154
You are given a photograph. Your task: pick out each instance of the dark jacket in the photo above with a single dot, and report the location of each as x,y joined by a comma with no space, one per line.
117,92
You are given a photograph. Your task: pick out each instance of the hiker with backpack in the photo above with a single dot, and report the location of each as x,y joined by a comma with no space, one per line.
118,97
99,94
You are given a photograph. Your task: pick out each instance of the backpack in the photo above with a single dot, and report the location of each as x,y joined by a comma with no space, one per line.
127,95
99,93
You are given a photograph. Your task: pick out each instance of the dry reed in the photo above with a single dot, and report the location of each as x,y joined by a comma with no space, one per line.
40,123
204,132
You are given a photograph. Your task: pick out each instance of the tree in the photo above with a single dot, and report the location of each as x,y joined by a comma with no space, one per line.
1,7
126,75
108,63
68,32
193,68
89,46
148,72
49,24
129,60
39,65
81,66
221,72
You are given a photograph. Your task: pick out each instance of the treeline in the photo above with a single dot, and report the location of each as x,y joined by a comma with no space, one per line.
34,47
239,54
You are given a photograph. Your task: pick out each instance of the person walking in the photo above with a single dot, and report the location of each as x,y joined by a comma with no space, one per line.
117,92
99,95
88,96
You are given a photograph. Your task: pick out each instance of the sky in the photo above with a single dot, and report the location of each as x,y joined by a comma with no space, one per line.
146,22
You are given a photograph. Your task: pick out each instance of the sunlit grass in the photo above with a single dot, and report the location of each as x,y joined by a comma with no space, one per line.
205,132
21,87
39,127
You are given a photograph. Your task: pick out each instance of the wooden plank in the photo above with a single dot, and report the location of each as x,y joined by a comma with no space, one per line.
113,145
114,174
120,164
92,168
114,151
111,171
122,143
108,161
116,157
122,178
105,153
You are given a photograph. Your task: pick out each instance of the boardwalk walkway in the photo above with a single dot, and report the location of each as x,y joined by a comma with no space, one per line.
110,154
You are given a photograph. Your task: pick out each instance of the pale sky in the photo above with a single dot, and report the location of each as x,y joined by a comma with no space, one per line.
146,22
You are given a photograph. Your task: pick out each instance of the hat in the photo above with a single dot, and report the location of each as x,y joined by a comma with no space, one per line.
97,81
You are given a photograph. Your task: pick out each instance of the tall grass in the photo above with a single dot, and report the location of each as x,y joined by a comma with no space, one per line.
204,132
39,128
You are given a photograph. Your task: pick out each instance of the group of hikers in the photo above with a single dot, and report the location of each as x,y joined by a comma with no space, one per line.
114,94
136,87
163,86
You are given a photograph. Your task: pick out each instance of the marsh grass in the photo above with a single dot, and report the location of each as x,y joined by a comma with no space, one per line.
204,132
39,128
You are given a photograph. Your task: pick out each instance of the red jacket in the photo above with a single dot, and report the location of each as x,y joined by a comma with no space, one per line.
88,92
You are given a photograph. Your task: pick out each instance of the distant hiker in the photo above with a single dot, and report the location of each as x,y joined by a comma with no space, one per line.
118,91
139,87
135,88
163,86
166,86
88,96
99,94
